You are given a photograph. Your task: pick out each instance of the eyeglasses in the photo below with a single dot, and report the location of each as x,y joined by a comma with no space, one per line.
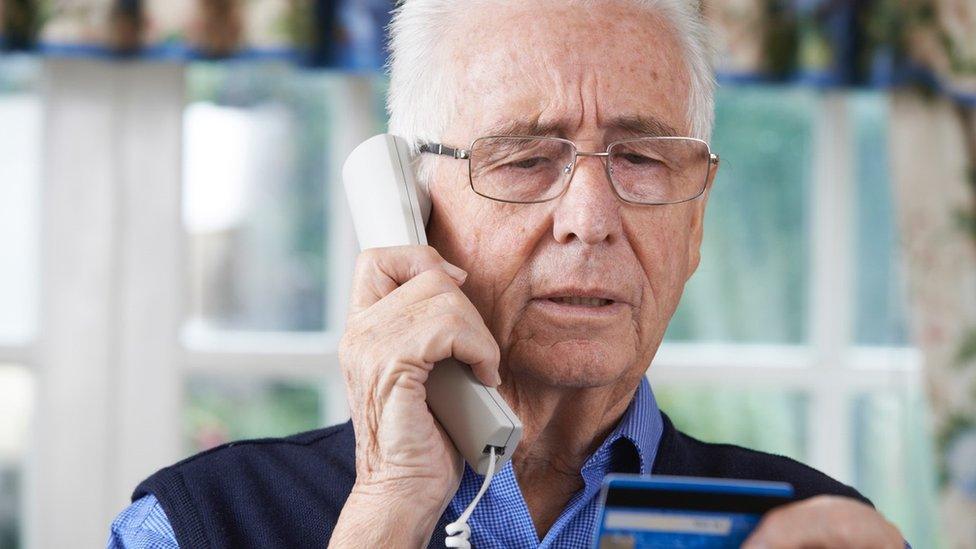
529,169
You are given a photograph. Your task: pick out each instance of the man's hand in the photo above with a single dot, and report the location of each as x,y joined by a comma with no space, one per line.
407,312
825,521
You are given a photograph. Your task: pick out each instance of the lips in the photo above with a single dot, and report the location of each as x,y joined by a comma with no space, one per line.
581,301
582,296
580,308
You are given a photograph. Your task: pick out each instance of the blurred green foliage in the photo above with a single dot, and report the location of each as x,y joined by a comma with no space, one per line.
768,420
893,462
220,409
751,285
10,497
880,300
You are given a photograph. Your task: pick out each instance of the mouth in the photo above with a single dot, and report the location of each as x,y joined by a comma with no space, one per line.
570,308
580,301
574,304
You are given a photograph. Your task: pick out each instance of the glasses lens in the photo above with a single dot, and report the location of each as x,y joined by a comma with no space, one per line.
519,169
659,170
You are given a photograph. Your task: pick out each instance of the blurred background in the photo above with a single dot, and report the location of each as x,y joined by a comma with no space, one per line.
175,251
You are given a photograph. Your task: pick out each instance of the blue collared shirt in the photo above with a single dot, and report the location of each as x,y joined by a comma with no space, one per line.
502,518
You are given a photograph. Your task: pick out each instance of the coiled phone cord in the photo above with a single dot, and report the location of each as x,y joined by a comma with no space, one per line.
458,531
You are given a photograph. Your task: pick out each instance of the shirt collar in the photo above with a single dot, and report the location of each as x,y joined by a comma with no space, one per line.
502,518
639,430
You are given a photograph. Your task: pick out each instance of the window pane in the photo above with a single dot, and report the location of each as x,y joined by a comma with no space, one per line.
880,317
893,462
20,162
766,420
222,409
752,282
256,171
16,400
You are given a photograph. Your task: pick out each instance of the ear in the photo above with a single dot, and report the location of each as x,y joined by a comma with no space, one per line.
696,227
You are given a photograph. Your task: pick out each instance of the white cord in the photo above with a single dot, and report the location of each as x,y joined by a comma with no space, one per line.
458,531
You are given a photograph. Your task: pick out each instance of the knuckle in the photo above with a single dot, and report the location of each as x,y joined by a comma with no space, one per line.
452,300
366,258
845,530
893,534
365,264
391,370
425,277
435,278
453,320
431,254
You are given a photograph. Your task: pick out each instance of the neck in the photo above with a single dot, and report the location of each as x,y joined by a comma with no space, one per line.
562,427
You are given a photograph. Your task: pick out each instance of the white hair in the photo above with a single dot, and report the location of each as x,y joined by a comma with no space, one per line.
422,93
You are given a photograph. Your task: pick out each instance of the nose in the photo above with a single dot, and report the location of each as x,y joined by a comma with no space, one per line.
589,210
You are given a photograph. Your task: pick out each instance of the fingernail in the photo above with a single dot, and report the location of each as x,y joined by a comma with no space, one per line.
456,273
498,379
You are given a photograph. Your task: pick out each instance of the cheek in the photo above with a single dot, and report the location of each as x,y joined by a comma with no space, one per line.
491,241
455,217
661,245
503,244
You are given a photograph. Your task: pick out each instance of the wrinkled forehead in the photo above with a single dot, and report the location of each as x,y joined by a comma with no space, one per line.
551,66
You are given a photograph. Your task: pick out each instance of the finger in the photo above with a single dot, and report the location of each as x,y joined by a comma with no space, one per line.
777,530
426,320
398,304
417,324
824,521
379,271
457,330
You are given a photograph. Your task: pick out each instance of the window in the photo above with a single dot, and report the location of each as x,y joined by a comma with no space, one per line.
203,300
756,244
20,111
756,355
255,198
16,397
891,449
791,337
262,146
225,408
20,163
880,315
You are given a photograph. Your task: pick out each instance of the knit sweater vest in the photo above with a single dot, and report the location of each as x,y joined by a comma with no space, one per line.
288,492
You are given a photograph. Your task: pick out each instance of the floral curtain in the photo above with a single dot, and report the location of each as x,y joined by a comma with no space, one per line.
339,33
924,51
929,165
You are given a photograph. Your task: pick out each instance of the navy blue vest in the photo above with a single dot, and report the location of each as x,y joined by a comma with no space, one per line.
288,492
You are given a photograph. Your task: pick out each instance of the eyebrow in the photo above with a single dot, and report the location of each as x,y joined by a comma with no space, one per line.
637,125
529,126
644,125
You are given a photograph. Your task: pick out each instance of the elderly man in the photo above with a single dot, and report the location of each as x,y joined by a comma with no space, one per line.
552,272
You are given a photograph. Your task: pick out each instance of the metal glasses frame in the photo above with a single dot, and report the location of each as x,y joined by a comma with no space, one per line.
465,154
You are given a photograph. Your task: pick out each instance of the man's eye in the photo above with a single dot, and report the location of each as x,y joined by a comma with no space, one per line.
639,159
528,163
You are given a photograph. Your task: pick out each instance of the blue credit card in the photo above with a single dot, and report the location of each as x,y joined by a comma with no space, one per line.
638,512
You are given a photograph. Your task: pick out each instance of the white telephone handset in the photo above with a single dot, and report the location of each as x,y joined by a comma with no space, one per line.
389,210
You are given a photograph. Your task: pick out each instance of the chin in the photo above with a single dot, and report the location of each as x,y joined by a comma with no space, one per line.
575,364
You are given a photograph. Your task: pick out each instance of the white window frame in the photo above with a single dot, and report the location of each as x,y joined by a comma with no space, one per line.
831,368
108,401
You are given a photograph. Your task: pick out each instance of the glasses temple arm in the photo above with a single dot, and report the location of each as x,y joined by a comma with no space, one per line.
437,148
